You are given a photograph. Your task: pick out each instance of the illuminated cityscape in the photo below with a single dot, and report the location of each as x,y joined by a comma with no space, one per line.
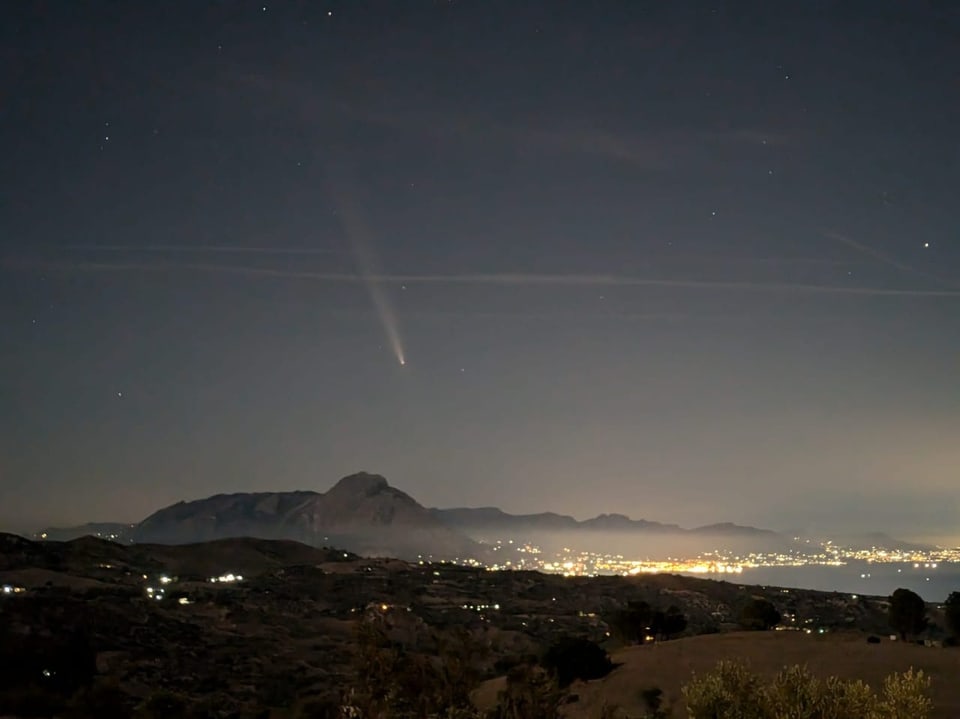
572,562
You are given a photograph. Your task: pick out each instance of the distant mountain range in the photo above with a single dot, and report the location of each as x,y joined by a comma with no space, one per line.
491,518
364,514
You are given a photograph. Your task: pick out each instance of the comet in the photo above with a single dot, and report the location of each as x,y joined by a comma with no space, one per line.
358,236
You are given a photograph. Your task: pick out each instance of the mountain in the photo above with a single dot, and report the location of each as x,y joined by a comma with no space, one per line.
728,529
491,519
361,513
882,540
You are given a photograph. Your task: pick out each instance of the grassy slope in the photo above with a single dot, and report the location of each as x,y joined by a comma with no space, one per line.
669,665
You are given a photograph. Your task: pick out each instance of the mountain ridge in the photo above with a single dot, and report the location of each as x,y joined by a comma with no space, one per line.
494,517
363,513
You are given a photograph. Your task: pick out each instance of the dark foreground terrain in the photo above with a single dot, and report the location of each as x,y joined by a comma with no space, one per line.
260,628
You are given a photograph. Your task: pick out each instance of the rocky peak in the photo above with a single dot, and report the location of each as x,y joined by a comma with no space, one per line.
362,484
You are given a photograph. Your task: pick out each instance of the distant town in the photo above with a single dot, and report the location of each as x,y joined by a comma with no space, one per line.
577,563
518,554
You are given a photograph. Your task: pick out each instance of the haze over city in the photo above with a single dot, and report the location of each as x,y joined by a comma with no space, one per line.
685,262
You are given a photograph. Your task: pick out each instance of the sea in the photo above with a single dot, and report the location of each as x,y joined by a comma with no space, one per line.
933,584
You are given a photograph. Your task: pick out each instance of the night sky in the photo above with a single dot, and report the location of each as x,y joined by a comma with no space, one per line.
692,262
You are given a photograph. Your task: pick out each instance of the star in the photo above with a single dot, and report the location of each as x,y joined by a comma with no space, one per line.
119,394
926,244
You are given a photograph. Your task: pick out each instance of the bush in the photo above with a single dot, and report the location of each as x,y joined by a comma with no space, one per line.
570,659
759,615
530,694
29,701
103,699
638,619
732,691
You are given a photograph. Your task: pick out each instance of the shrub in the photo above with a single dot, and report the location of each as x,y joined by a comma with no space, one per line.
530,694
759,614
732,691
570,659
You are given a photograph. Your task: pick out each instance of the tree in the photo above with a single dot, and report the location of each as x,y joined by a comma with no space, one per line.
668,624
632,624
908,613
759,615
398,680
638,620
572,658
951,611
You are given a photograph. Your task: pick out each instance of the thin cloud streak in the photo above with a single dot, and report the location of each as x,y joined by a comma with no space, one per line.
885,258
657,150
503,279
240,249
204,249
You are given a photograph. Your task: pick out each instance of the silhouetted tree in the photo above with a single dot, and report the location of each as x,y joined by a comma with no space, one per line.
668,624
951,611
632,623
572,658
759,615
908,613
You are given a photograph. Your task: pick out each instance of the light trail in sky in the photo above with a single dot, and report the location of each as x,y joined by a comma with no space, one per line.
358,236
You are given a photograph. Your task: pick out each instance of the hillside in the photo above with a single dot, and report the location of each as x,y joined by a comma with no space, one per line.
281,626
669,665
